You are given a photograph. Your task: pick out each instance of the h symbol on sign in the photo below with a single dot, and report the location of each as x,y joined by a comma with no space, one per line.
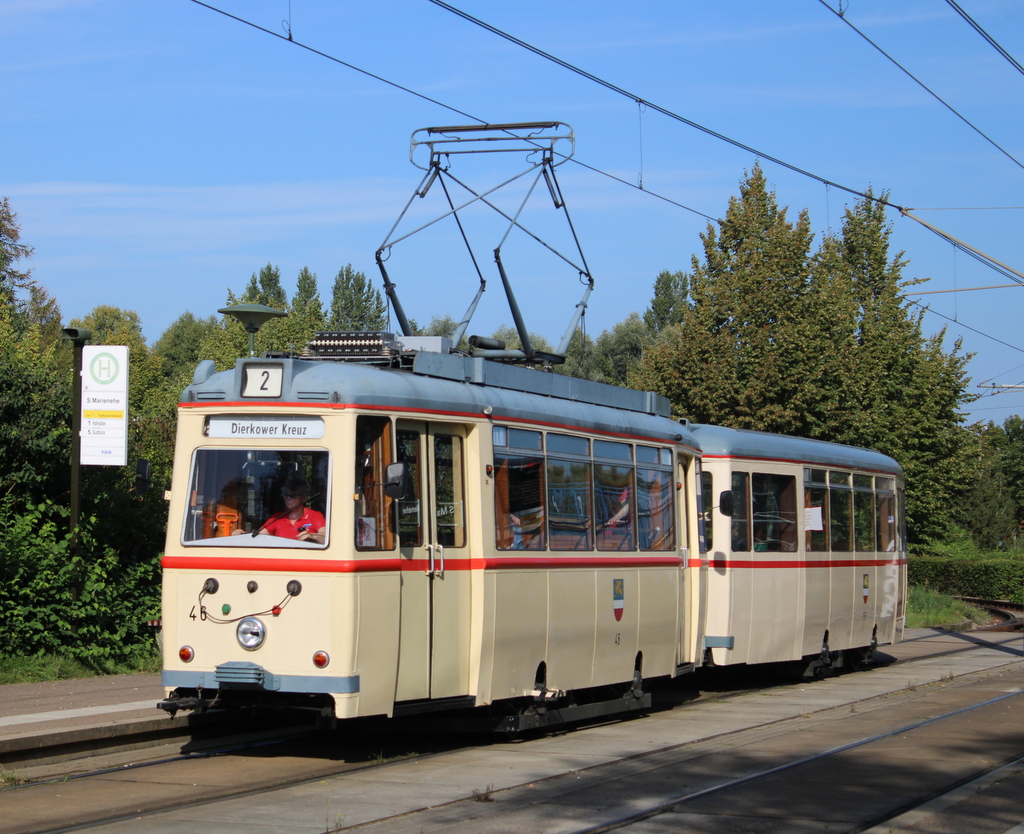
105,368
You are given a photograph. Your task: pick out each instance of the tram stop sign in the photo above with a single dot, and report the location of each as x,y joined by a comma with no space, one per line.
104,405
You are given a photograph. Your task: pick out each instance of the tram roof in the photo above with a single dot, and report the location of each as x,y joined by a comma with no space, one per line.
718,441
435,382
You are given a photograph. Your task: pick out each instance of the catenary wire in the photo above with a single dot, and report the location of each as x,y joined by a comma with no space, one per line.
1013,61
828,183
921,84
796,169
981,256
656,107
289,38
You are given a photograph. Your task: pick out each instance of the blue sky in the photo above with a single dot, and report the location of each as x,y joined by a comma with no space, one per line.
159,153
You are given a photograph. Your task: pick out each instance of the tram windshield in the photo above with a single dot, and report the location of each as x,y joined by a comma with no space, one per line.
257,498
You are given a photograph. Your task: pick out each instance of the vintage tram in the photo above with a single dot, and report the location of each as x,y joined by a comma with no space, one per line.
479,533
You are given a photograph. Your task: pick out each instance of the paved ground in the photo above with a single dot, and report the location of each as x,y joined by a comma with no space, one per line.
509,773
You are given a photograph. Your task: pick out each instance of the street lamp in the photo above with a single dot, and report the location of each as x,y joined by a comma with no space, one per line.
78,336
252,317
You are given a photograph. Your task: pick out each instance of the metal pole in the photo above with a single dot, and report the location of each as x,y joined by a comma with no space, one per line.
78,337
76,446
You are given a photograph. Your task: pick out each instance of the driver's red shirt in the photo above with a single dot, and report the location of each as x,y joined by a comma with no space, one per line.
311,521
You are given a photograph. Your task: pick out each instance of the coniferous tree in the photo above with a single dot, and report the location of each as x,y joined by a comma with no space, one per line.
669,301
12,250
355,304
265,288
306,301
823,345
731,359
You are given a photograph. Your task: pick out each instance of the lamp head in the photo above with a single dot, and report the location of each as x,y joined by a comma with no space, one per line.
77,334
252,318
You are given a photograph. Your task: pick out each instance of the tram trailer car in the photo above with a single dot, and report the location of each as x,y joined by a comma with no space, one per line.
805,542
482,533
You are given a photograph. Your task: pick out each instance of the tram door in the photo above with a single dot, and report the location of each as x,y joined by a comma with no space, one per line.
433,657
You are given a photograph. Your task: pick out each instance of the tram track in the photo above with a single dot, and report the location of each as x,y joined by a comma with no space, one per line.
56,757
777,798
222,769
1009,614
676,804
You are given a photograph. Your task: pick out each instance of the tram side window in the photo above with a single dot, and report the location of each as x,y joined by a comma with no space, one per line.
863,514
707,502
740,511
449,491
816,510
840,502
374,516
570,525
614,500
885,517
773,513
518,489
238,491
410,517
655,511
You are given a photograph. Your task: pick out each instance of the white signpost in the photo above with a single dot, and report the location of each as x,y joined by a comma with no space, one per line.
104,405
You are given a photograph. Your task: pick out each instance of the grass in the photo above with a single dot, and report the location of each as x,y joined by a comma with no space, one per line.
929,609
53,667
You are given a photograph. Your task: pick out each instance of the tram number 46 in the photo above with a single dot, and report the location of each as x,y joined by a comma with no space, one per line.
202,614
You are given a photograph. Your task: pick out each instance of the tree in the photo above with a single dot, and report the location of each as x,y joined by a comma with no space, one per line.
12,250
991,513
306,301
88,598
265,288
355,304
669,301
179,346
1013,464
35,381
622,348
731,358
35,410
777,339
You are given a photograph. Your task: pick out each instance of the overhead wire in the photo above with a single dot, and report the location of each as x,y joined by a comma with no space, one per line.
905,212
921,84
644,103
1013,61
289,38
650,104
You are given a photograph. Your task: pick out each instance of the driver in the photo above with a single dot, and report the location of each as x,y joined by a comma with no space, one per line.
296,521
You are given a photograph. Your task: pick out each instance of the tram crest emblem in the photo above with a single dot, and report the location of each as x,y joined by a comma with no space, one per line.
618,597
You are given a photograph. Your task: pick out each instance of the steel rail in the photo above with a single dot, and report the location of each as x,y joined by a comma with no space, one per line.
668,805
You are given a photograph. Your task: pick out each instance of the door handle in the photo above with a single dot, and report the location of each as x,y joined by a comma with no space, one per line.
440,549
430,569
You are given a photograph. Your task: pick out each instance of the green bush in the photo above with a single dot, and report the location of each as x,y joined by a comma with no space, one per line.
90,606
994,576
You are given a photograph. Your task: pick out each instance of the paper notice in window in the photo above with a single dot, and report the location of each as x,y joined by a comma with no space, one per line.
813,519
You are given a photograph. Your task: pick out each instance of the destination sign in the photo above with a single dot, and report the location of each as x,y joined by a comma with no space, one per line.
266,427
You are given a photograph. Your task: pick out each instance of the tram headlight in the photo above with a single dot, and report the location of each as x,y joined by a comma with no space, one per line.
251,633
